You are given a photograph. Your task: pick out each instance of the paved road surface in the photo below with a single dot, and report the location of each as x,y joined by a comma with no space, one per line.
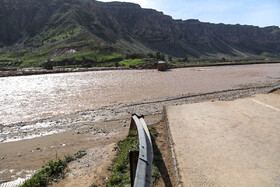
228,143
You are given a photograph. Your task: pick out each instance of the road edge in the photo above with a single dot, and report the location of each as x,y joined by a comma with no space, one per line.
176,172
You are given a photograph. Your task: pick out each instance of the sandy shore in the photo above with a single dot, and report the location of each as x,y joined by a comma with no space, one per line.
92,130
25,72
31,71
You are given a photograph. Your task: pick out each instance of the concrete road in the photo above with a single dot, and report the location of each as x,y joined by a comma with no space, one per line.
228,143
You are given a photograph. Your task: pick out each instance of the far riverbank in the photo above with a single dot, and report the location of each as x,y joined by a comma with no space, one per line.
38,71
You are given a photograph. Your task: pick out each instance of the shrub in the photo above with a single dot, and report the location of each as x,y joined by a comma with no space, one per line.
170,58
150,55
48,65
160,56
134,55
52,171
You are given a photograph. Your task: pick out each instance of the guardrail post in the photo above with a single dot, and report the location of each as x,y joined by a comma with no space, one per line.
133,160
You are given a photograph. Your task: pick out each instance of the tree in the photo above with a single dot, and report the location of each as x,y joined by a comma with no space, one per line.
186,59
160,56
169,58
48,65
150,55
134,55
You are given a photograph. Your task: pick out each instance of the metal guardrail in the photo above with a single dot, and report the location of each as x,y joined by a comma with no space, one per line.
141,174
274,89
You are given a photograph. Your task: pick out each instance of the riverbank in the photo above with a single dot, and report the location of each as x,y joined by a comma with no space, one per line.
25,72
95,131
49,116
36,71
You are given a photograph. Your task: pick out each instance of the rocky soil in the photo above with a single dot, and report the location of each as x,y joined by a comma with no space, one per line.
31,71
94,131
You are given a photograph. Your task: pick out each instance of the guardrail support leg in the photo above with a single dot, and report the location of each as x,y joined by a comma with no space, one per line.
133,160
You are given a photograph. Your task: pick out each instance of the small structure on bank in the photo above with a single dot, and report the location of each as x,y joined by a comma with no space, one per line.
162,66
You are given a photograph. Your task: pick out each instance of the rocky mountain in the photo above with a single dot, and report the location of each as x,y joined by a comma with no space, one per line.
49,28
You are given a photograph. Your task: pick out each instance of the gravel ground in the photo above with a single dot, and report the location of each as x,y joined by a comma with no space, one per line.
81,120
91,129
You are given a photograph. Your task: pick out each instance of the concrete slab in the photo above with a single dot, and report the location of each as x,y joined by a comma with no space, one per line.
228,143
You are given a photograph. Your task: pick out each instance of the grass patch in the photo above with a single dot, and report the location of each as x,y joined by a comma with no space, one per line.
131,62
52,171
121,169
199,63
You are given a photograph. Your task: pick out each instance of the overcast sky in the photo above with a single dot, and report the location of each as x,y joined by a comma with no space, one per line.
246,12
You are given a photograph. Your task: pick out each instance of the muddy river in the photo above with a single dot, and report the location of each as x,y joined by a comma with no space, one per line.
30,97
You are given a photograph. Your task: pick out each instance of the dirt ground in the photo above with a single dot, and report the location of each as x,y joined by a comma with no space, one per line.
166,167
96,132
98,140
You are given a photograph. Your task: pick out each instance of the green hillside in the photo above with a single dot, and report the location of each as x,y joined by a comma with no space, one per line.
82,33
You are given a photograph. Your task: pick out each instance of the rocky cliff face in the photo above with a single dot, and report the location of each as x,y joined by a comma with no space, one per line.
22,20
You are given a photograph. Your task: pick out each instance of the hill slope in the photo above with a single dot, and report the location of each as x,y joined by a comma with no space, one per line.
36,30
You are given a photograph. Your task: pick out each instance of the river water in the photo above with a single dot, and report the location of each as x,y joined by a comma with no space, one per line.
25,98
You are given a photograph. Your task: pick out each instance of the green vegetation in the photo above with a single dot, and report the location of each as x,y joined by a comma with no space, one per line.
99,37
135,55
121,169
131,62
160,56
87,54
270,55
81,58
48,65
48,173
52,171
197,62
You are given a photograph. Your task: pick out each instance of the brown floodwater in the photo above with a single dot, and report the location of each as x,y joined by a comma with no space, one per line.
30,97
